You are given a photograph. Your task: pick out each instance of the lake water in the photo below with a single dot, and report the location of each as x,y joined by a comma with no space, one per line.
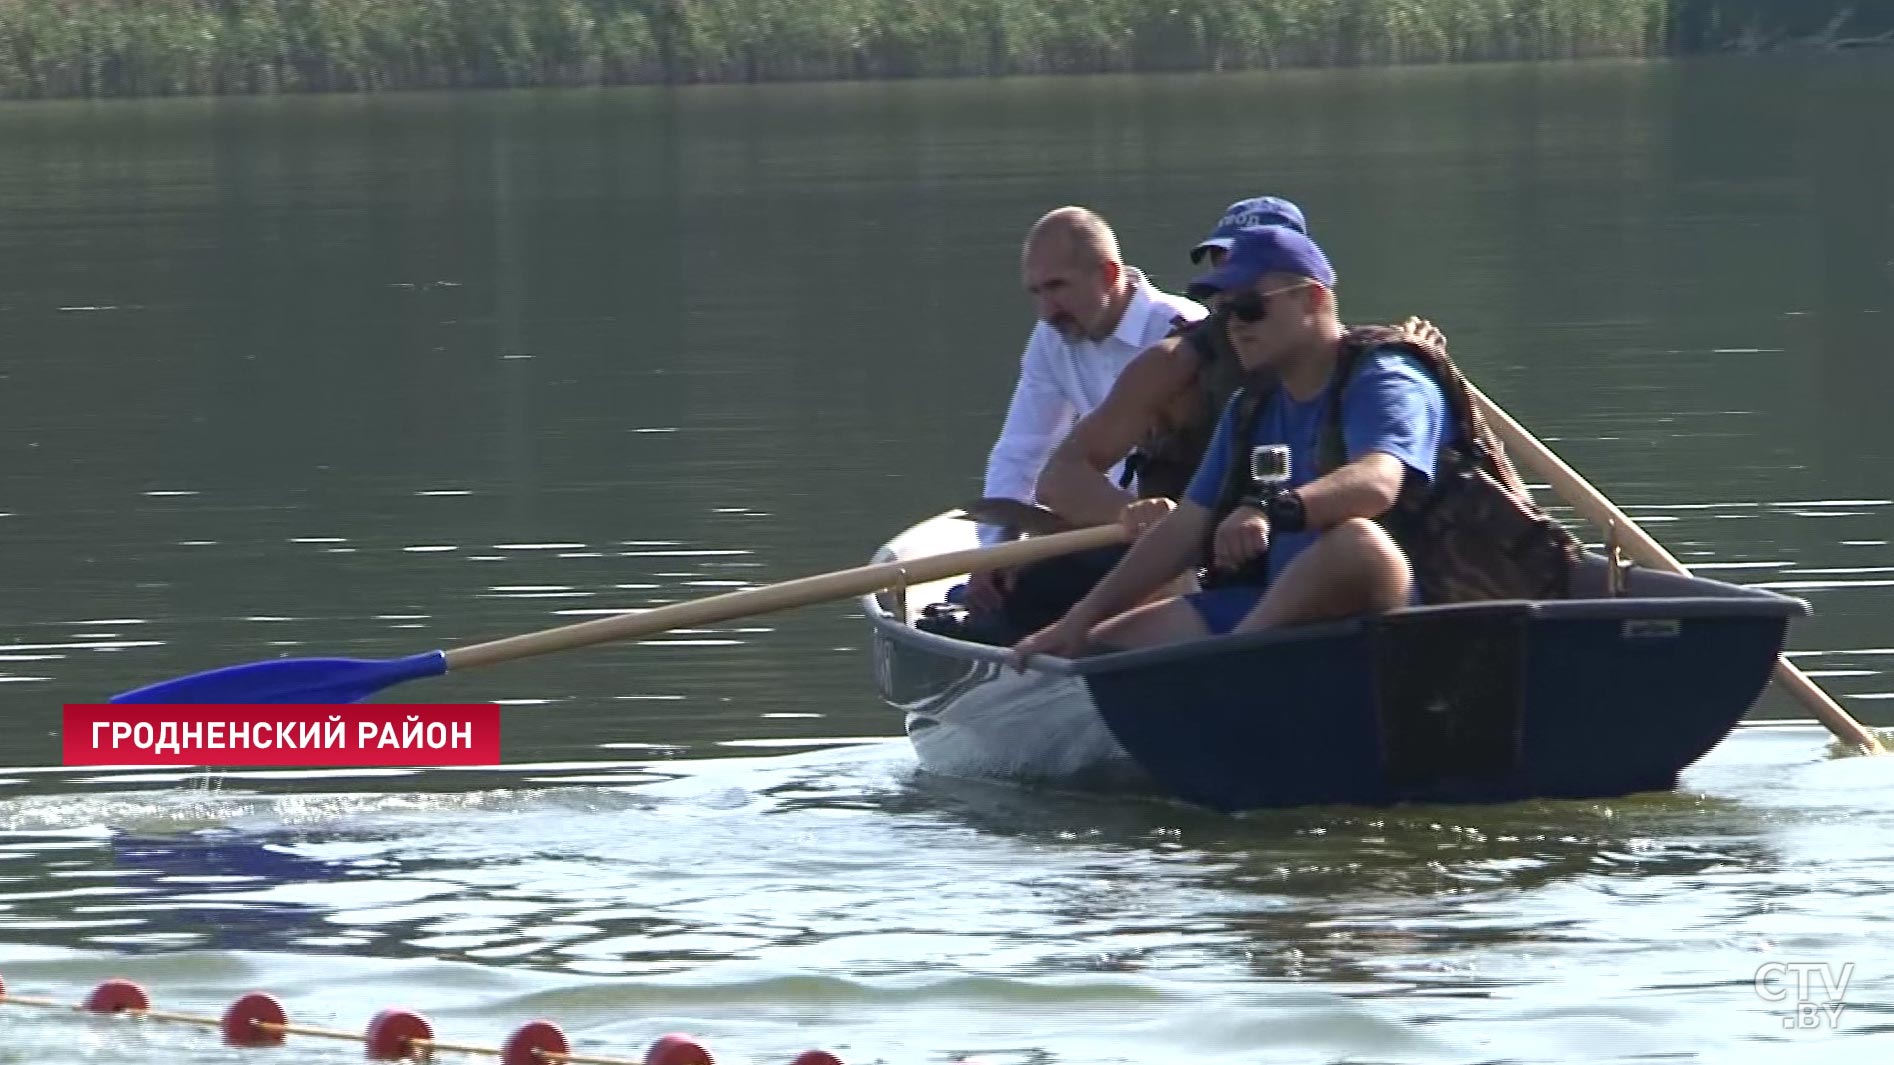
374,375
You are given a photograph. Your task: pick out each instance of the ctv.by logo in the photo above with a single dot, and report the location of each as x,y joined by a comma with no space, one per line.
1815,991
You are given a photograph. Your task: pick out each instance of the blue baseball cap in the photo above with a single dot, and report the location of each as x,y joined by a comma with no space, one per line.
1256,211
1259,250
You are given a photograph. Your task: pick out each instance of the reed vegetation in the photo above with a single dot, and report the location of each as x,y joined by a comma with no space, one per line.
156,47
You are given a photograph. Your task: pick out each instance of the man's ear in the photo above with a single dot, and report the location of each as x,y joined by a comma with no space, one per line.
1110,272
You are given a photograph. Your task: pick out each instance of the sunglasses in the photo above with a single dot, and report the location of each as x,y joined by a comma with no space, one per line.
1252,306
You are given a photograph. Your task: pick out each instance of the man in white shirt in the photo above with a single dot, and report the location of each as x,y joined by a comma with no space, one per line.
1095,315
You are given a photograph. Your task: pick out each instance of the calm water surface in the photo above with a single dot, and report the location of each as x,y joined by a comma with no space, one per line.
370,376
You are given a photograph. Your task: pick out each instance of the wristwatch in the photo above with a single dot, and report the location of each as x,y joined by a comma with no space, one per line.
1283,509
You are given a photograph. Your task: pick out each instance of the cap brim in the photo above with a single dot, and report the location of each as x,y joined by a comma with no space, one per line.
1228,276
1197,253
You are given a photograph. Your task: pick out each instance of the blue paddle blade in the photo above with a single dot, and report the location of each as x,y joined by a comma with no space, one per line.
291,680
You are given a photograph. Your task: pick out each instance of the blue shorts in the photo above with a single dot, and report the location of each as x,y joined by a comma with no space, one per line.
1223,608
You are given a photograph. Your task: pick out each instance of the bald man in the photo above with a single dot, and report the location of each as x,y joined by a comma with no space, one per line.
1095,314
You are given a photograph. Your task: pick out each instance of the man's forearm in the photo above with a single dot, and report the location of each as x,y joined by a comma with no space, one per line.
1361,489
1079,493
1157,557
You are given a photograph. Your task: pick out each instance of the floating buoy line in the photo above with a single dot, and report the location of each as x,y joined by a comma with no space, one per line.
257,1019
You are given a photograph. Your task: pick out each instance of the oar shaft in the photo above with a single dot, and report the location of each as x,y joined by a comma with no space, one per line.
787,595
1641,547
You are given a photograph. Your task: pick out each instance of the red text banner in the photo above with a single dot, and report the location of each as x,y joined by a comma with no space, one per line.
433,734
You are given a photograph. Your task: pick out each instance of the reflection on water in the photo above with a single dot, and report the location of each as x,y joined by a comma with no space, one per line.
846,886
589,876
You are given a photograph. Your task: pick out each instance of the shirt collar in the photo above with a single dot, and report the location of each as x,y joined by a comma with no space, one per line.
1130,331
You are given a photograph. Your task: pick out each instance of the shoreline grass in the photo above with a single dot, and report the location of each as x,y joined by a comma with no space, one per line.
90,48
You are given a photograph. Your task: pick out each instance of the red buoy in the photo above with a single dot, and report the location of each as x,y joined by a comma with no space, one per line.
391,1033
532,1039
241,1020
115,996
676,1048
816,1057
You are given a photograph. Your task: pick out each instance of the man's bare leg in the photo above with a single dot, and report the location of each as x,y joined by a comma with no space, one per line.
1151,625
1353,568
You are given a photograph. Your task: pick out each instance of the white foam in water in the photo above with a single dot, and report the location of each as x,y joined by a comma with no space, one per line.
418,548
682,553
1822,585
694,643
537,595
537,547
93,645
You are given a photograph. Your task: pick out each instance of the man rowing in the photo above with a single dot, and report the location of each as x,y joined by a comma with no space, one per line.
1155,421
1313,550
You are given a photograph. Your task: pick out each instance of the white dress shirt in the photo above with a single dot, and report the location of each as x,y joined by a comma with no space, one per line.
1060,381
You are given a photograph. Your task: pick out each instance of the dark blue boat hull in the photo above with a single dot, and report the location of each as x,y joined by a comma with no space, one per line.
1488,703
1595,696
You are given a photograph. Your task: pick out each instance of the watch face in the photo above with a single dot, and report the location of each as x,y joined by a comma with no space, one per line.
1269,464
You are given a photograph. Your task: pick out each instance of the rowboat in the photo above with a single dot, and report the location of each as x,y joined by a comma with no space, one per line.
1610,692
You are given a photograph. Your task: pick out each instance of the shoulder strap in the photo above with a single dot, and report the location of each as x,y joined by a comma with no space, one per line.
1331,449
1482,448
1248,402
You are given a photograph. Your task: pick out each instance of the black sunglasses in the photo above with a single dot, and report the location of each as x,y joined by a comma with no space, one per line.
1252,306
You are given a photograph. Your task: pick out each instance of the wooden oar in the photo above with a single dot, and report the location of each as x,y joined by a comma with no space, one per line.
346,680
1642,548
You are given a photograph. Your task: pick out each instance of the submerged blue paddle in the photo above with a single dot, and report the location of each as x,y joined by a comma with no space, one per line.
346,680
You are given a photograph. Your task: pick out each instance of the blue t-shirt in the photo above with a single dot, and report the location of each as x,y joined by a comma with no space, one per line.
1390,405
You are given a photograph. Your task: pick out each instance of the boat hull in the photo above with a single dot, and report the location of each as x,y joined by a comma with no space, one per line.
1588,697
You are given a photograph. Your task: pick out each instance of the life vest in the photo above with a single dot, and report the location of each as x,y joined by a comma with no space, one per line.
1472,533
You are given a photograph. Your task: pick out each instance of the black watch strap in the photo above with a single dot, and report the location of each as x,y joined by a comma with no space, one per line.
1285,512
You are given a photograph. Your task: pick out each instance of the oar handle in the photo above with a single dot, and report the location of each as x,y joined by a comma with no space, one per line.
1641,547
790,594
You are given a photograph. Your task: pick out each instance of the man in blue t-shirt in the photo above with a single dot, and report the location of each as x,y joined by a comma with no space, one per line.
1326,557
